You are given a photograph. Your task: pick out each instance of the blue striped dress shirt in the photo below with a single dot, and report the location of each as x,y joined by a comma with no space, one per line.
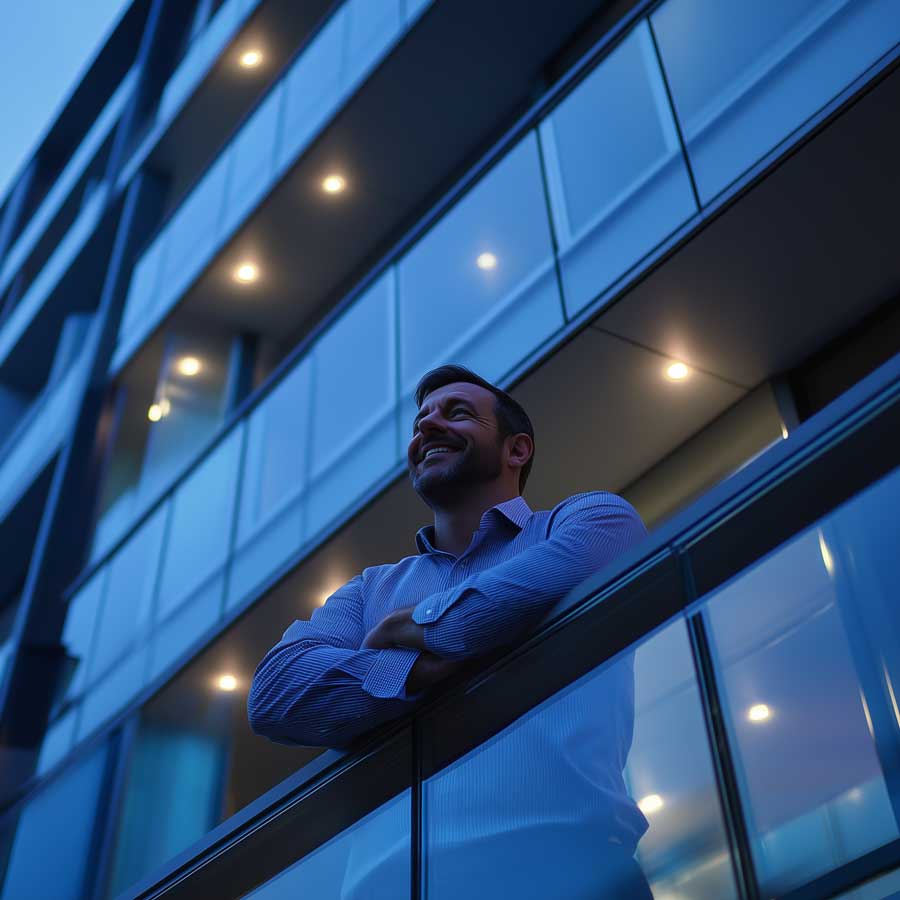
316,687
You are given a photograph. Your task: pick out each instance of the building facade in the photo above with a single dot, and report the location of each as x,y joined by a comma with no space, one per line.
668,228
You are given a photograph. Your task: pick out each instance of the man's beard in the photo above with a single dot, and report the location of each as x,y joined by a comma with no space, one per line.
445,487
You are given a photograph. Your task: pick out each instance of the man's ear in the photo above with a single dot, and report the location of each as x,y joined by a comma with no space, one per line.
520,448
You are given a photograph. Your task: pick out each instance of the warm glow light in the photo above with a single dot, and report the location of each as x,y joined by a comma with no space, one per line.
784,431
154,414
189,365
827,558
650,804
227,682
759,712
486,261
246,273
677,372
334,184
251,59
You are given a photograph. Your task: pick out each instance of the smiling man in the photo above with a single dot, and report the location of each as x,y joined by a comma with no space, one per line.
486,572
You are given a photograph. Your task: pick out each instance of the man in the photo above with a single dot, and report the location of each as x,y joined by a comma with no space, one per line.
486,572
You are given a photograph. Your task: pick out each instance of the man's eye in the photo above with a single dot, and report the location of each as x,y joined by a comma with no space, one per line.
459,412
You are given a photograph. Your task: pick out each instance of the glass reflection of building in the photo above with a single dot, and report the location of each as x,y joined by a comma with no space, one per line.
668,228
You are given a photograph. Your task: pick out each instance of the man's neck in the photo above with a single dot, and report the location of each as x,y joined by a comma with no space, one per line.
453,528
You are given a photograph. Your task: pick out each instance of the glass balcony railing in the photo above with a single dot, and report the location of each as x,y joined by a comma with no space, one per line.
307,96
67,180
38,436
713,716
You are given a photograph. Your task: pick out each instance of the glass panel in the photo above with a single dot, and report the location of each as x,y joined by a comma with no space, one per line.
113,692
313,86
200,532
546,808
369,860
480,288
190,400
172,791
271,519
253,159
744,75
47,849
78,633
618,181
57,741
354,427
144,287
372,27
129,595
885,887
808,645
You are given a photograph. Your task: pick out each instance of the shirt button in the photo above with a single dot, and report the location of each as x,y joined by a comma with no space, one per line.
429,611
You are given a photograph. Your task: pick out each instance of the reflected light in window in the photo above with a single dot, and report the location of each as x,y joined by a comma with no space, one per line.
251,59
784,431
227,683
486,261
650,804
677,371
246,273
334,184
189,365
827,558
759,712
159,410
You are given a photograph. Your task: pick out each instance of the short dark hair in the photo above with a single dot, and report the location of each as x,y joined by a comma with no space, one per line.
511,417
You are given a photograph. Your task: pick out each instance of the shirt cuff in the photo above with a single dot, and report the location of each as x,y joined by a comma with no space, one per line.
388,674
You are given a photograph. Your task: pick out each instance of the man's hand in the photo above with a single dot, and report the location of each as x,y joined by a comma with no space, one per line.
428,670
396,629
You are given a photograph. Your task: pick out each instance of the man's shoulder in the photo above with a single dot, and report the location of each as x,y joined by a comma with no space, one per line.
377,574
593,504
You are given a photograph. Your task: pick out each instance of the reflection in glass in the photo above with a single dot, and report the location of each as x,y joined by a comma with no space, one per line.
454,310
745,75
812,633
368,861
617,177
547,808
48,853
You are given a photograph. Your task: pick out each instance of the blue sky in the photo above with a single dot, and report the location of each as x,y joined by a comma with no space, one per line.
44,46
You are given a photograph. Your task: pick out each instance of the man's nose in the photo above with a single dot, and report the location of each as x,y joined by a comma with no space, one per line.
431,423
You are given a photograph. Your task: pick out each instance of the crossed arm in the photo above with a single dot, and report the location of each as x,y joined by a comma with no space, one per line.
327,680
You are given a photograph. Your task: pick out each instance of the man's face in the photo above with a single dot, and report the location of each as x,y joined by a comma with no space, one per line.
455,444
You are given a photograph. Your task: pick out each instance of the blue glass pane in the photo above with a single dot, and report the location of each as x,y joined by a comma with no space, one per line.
253,159
57,741
372,27
480,288
271,518
171,794
200,530
144,287
313,86
48,853
79,630
190,408
745,75
113,691
808,646
618,181
354,439
129,594
549,807
368,861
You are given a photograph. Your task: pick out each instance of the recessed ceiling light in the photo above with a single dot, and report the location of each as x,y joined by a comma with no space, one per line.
759,712
189,366
486,261
677,371
227,682
334,184
251,59
650,804
246,273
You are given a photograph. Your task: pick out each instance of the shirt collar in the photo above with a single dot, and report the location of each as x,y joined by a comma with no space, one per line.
516,511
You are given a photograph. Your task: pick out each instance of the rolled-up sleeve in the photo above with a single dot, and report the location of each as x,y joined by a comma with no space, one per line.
315,687
496,606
